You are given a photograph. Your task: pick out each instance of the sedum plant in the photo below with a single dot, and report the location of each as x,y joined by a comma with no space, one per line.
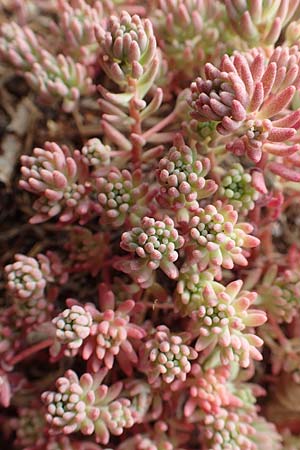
261,21
128,53
99,337
87,405
52,76
237,188
216,239
181,175
245,95
167,356
153,297
155,244
189,31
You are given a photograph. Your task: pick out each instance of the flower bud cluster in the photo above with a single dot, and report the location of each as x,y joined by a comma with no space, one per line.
228,429
279,292
96,154
77,23
208,390
26,278
222,323
73,325
120,194
190,286
99,337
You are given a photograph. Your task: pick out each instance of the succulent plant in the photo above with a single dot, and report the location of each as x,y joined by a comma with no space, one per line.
84,404
181,175
98,336
155,242
29,283
53,77
190,288
228,429
61,182
72,326
167,356
128,53
208,390
96,154
27,277
260,22
237,189
121,196
278,293
189,31
216,238
160,264
222,324
245,96
77,23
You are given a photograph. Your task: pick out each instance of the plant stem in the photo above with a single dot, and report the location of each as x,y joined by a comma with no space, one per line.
160,125
30,351
136,128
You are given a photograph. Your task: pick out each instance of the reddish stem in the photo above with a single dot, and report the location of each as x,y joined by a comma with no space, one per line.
279,333
89,446
160,125
267,242
156,305
289,201
255,215
136,128
30,351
